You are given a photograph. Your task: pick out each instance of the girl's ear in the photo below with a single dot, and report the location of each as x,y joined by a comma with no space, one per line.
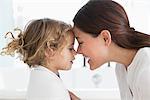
105,34
49,52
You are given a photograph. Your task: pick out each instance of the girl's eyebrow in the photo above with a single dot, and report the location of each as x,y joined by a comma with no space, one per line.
71,44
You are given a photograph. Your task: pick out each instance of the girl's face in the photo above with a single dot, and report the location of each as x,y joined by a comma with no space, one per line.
93,48
64,59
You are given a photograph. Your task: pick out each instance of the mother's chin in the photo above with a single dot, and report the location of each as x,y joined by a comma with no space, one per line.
94,65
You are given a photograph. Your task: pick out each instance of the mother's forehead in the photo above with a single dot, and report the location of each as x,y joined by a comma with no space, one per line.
75,33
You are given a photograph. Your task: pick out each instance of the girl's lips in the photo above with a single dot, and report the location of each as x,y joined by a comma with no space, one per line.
71,61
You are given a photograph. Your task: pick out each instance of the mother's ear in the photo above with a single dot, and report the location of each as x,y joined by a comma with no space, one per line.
105,34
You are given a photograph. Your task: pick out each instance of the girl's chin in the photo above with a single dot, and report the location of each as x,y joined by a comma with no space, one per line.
70,65
68,68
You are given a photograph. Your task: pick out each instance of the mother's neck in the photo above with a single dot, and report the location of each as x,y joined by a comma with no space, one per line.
123,56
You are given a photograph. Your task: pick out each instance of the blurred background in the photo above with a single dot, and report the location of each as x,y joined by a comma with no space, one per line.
100,84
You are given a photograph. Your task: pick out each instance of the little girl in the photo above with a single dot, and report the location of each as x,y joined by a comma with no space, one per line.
46,45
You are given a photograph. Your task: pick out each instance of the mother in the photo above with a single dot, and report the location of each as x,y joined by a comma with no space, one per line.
104,34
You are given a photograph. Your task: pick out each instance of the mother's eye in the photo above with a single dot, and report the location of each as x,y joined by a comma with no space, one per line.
80,43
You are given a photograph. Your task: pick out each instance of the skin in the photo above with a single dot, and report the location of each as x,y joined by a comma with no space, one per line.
102,49
65,57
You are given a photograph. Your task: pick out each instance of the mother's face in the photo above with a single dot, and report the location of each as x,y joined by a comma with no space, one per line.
91,47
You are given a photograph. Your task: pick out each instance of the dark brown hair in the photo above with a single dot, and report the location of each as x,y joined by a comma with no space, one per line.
37,36
98,15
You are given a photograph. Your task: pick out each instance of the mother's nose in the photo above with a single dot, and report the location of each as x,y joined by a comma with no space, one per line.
79,50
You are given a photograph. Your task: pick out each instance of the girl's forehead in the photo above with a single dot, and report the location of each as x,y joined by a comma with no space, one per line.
70,38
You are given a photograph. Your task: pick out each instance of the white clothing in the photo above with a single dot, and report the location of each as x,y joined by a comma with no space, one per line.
46,85
134,83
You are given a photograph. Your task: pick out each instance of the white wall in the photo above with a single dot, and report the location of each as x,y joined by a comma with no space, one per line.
6,23
139,16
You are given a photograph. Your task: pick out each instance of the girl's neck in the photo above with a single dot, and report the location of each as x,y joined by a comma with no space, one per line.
52,68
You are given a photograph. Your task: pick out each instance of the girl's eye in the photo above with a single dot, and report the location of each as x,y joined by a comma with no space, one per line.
71,49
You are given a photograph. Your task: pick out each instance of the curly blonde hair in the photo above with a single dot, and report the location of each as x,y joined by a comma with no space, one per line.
36,37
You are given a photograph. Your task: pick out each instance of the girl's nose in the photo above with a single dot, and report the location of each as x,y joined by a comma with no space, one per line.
74,52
